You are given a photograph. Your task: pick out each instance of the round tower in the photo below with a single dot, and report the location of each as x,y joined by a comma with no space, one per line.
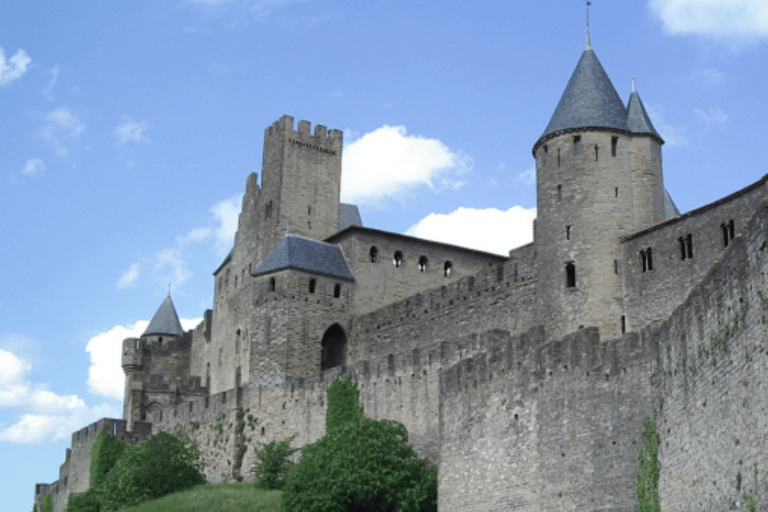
598,168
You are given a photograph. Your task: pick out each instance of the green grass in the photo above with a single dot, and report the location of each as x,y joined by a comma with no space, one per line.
238,497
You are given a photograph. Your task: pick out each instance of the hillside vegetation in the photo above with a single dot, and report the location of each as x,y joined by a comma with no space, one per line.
235,497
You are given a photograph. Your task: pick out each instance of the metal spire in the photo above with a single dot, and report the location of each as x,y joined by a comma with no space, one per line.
589,39
634,88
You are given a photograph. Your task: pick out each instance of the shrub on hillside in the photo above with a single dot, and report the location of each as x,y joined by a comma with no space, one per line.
47,504
162,464
105,452
87,501
360,464
273,460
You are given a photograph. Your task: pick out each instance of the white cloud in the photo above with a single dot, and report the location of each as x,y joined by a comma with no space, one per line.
488,229
48,91
709,76
672,135
732,19
711,116
105,374
527,177
13,68
46,416
388,161
131,130
61,124
170,265
33,168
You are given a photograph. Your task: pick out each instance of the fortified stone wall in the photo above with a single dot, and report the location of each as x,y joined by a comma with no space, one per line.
531,426
650,295
390,267
713,384
500,298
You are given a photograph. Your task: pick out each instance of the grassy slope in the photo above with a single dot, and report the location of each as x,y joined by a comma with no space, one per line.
240,497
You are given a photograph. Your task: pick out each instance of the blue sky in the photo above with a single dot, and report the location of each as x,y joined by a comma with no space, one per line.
129,129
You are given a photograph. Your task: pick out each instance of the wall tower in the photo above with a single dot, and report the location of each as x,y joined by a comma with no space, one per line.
599,177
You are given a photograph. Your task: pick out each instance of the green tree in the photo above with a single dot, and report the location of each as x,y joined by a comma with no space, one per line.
88,501
162,464
47,504
105,452
273,462
360,464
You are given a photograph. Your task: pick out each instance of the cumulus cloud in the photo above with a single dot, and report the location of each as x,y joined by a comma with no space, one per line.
169,265
131,130
387,162
105,374
61,126
33,168
13,68
732,19
489,229
45,416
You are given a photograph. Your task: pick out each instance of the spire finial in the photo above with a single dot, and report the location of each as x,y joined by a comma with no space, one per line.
634,88
169,289
589,39
287,228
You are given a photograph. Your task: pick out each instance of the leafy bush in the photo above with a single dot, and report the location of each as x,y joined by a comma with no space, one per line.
105,452
87,501
273,462
47,504
360,464
162,464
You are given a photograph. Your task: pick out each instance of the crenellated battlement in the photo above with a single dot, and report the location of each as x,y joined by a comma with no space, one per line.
322,137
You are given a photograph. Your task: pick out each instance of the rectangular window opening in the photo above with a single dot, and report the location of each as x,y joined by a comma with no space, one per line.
614,144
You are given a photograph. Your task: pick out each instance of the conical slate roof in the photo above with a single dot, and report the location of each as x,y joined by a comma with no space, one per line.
637,118
301,253
165,321
589,100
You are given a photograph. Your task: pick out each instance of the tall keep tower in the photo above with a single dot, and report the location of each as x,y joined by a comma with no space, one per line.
599,177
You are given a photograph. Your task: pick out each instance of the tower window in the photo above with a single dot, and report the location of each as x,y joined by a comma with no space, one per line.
373,255
567,232
595,152
337,291
614,145
616,192
268,211
272,284
546,149
616,267
647,257
570,275
577,145
312,284
558,157
728,232
423,263
559,192
447,269
686,246
397,261
623,324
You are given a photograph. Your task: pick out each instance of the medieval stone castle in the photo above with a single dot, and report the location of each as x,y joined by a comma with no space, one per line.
526,378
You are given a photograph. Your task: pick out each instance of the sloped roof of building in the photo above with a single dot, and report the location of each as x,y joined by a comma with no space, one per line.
638,120
670,208
349,215
589,100
165,321
299,253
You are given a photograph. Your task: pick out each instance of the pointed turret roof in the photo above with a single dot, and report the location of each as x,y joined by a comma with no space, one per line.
638,120
589,100
165,321
301,253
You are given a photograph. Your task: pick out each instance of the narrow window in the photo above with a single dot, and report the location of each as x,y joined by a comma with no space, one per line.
309,210
374,254
312,284
447,269
689,245
649,253
559,192
337,291
577,145
272,284
731,229
614,144
647,257
644,259
616,267
268,211
570,275
546,149
595,152
623,324
397,261
616,192
423,263
681,241
728,232
567,232
558,157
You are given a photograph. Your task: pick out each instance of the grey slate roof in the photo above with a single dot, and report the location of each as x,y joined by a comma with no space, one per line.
589,100
349,215
165,321
637,118
670,208
301,253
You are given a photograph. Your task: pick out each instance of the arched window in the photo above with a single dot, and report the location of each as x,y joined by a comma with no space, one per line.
570,275
334,348
423,260
272,284
337,291
374,254
312,284
447,269
397,261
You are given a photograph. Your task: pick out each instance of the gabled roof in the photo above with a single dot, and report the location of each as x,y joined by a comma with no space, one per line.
165,321
299,253
670,208
349,215
589,100
637,118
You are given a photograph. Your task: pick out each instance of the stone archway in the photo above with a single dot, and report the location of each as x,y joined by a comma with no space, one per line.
334,348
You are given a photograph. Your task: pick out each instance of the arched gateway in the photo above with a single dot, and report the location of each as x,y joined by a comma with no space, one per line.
334,347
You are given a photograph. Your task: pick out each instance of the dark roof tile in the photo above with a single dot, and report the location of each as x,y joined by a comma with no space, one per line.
301,253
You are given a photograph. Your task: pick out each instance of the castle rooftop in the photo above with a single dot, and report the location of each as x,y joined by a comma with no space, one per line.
299,253
638,120
165,321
